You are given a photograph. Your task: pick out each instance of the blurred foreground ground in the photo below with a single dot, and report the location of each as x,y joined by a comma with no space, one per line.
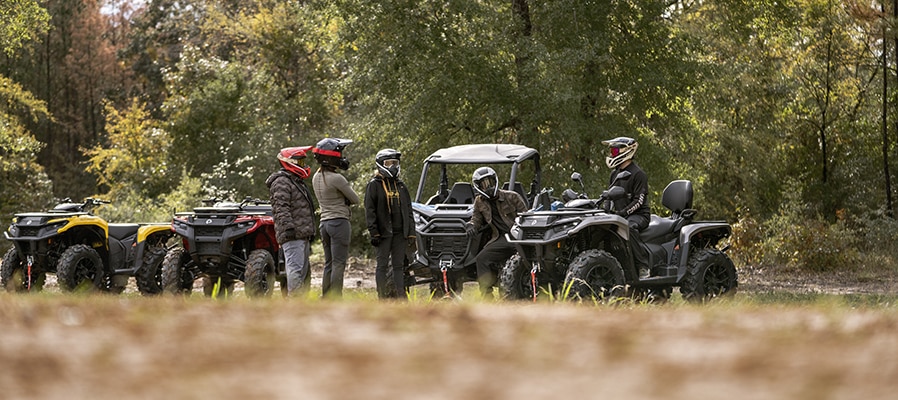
58,346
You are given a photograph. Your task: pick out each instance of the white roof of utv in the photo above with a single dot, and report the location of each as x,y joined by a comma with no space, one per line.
482,154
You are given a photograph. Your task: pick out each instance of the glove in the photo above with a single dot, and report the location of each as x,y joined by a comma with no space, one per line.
375,240
290,234
469,230
622,214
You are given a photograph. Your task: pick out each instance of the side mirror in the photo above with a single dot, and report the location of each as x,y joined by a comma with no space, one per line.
576,177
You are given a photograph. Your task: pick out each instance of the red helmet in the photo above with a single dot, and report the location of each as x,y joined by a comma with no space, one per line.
293,159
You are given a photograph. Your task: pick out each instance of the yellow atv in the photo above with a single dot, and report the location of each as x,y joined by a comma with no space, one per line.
83,250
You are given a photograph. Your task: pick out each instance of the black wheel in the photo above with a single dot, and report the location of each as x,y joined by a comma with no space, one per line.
149,275
259,276
515,281
81,268
14,273
594,274
709,274
175,278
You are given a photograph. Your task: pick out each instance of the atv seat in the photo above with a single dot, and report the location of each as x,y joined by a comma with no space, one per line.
121,231
461,193
677,197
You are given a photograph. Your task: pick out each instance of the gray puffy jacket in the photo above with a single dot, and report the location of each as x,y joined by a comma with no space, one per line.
292,207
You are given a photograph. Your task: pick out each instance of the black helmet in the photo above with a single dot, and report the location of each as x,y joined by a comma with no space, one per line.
486,182
329,152
387,161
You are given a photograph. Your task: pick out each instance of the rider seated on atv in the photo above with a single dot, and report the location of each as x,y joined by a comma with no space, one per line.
497,209
635,206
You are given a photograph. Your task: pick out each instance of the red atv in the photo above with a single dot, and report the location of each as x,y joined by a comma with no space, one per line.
225,243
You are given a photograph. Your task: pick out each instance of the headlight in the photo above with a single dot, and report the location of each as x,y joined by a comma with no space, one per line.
13,230
419,220
516,232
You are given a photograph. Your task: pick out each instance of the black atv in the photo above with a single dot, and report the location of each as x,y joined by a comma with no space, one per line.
222,243
82,249
581,250
445,256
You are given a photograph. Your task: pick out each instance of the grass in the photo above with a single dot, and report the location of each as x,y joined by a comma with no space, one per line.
755,345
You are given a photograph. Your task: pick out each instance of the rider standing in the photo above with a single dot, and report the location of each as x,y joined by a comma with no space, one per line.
293,212
497,209
635,206
388,214
335,195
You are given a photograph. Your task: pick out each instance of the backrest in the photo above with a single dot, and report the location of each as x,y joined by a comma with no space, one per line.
677,196
518,187
461,193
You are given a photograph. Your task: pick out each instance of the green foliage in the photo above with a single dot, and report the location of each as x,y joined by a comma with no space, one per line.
130,206
136,159
21,22
24,186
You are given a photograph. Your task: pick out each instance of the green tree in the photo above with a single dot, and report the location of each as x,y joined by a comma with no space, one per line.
21,22
136,155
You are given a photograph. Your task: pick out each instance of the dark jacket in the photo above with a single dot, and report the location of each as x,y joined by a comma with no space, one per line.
377,207
510,205
291,206
637,187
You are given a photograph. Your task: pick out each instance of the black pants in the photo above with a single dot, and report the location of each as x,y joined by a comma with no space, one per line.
391,254
490,261
637,247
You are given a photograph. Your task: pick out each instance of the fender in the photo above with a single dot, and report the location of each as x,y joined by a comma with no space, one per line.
91,221
144,232
720,229
620,224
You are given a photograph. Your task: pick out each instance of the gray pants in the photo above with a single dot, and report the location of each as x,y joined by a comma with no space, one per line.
296,262
335,235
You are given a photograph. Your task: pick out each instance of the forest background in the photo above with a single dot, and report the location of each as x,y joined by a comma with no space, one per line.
782,113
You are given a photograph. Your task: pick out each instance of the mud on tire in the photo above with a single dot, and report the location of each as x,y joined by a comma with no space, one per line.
80,267
709,274
515,280
259,276
149,275
14,273
594,274
175,278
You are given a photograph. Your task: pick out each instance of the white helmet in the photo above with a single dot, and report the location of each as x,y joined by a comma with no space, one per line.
622,149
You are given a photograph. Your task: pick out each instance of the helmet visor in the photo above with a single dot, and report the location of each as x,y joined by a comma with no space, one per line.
391,163
487,184
615,151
